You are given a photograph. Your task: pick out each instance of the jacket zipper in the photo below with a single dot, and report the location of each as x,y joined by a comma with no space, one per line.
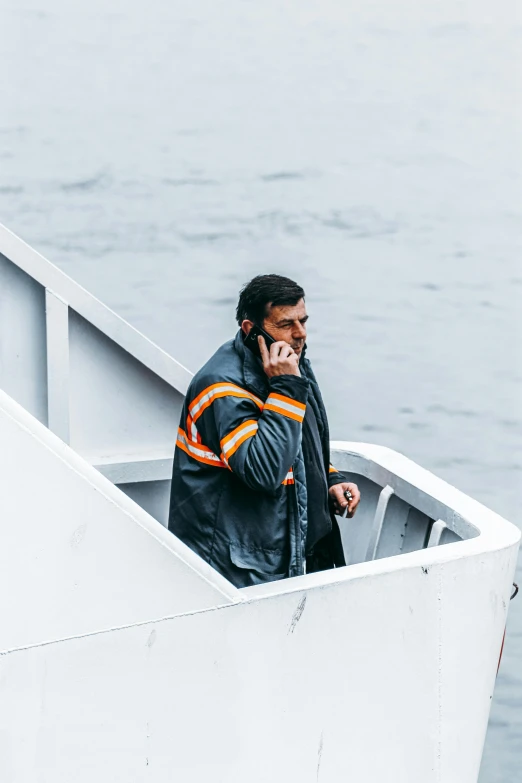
299,543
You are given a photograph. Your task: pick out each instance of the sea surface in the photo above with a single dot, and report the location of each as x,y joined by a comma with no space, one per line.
163,153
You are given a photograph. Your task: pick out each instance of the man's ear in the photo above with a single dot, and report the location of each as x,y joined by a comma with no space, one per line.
246,326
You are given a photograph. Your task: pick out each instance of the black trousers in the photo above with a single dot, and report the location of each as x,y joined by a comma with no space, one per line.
327,552
320,557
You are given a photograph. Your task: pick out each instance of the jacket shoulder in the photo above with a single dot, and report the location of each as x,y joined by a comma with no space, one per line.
224,366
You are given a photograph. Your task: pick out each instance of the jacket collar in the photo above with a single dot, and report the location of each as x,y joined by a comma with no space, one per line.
253,373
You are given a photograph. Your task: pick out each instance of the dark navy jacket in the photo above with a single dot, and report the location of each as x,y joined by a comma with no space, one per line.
238,494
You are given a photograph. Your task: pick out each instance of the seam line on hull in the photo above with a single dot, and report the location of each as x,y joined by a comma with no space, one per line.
101,631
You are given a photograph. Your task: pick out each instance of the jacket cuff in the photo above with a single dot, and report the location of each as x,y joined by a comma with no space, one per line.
291,386
334,477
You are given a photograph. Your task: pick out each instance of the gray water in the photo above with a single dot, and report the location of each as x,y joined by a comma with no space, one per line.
163,153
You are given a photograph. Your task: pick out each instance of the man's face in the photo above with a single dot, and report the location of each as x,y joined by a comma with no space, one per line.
288,323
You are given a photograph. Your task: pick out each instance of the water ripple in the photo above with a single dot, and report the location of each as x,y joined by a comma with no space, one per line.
179,183
91,183
282,175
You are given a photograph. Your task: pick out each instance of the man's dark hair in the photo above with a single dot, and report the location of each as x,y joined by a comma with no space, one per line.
262,291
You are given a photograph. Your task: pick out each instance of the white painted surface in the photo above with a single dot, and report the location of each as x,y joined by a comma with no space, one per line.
341,675
117,404
23,364
376,679
91,377
58,391
153,496
90,308
77,555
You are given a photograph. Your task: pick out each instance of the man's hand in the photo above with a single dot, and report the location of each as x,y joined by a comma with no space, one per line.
282,359
337,497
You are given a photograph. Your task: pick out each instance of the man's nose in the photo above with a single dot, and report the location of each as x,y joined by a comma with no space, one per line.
299,332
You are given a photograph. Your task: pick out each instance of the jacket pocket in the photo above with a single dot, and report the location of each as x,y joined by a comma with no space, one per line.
256,566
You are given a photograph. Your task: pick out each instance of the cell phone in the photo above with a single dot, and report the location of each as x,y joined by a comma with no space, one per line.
251,340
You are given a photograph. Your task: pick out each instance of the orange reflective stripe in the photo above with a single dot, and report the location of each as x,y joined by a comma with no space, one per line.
198,451
288,400
288,414
333,470
289,477
286,406
234,439
245,436
192,432
214,392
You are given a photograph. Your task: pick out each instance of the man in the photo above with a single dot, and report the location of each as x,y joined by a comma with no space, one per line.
253,491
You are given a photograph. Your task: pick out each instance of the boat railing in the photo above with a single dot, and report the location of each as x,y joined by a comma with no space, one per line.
397,516
88,375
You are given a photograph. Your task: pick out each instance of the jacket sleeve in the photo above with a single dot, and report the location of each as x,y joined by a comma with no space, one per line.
258,441
334,477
